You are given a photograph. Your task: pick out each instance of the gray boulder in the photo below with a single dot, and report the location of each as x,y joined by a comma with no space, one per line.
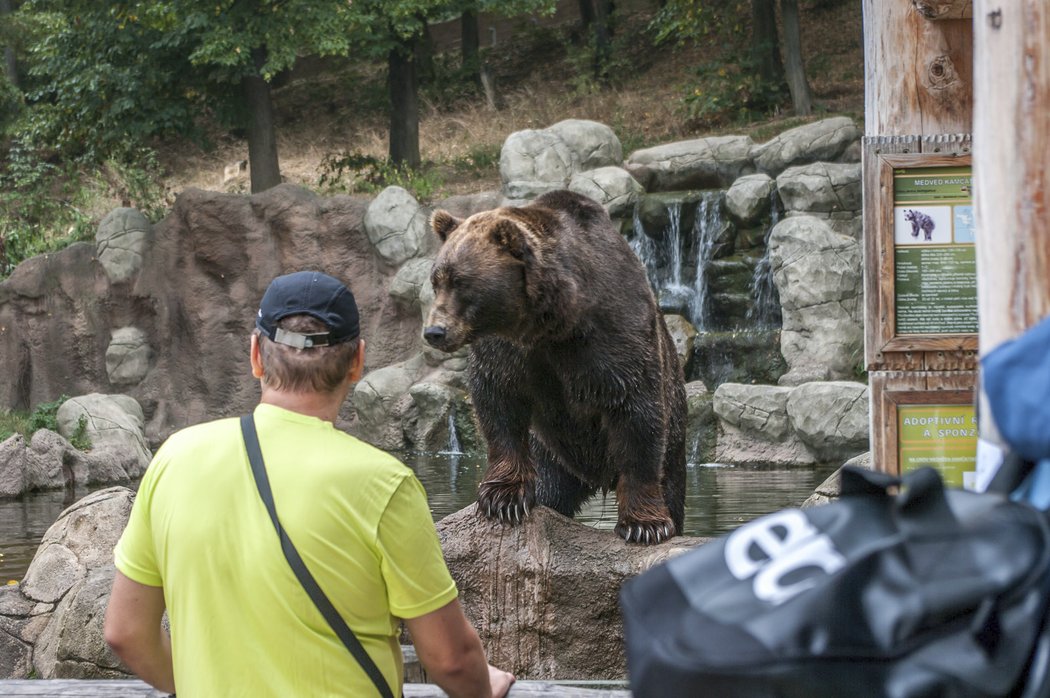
831,489
754,427
592,144
683,334
533,162
397,226
748,199
831,418
819,278
380,400
703,163
827,141
128,356
612,187
121,241
830,191
114,426
49,461
53,619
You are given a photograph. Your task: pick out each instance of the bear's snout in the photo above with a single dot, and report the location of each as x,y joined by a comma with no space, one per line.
435,335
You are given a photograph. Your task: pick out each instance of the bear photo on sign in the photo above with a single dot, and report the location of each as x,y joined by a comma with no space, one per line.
922,225
573,375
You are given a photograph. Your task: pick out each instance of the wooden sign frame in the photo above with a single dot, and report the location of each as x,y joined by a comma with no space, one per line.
893,399
881,335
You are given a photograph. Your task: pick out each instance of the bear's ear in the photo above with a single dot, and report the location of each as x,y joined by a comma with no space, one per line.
510,238
443,223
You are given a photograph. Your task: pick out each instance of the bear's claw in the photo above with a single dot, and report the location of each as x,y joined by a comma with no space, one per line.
646,534
508,503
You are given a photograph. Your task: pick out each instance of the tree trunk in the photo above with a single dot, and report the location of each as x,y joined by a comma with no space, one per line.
10,62
470,41
603,10
765,48
404,105
1011,100
586,16
801,99
262,136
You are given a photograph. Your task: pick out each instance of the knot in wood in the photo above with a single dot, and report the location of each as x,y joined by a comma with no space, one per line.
941,73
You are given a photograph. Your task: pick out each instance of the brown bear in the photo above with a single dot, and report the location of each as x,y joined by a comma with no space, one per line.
574,377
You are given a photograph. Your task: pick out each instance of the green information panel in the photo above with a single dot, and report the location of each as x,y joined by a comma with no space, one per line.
935,262
944,436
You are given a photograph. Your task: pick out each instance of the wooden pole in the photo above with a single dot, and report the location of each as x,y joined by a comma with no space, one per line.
917,73
1011,173
944,9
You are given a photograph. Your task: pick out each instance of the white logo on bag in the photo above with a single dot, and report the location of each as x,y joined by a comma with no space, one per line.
785,542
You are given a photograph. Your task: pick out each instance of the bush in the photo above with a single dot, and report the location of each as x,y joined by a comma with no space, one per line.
358,173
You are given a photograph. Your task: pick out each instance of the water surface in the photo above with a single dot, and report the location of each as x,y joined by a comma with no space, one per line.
718,499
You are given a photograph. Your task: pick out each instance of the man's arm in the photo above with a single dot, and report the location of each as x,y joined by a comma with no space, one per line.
451,652
133,631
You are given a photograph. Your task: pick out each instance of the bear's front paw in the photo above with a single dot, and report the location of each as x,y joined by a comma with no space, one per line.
645,532
506,501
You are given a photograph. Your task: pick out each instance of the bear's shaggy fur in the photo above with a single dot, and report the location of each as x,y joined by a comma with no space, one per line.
574,378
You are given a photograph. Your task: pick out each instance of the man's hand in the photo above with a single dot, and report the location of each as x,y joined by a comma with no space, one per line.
500,680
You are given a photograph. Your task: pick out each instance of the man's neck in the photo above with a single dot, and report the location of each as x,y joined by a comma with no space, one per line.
324,406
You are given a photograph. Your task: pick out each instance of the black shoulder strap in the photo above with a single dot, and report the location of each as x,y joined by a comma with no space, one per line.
251,443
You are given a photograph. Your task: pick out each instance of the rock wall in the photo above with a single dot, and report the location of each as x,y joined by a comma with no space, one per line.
168,321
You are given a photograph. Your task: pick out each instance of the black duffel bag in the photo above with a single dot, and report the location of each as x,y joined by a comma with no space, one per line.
929,593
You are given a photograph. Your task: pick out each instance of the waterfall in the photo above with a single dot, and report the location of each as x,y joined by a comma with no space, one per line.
764,312
453,448
645,248
706,228
665,259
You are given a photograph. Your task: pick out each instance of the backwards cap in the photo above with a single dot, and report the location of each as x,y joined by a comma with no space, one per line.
309,293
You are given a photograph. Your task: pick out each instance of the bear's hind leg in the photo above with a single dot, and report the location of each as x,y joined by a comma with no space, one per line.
556,487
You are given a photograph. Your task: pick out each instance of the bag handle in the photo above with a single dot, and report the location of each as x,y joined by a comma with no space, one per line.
922,502
313,589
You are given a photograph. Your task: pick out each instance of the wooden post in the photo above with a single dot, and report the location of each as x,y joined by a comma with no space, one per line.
1012,86
944,9
918,111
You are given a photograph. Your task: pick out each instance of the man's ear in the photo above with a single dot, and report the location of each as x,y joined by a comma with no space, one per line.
443,223
357,367
256,359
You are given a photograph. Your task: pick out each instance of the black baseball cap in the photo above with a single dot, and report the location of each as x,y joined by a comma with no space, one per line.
309,293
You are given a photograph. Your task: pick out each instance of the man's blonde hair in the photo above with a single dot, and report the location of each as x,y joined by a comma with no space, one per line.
317,369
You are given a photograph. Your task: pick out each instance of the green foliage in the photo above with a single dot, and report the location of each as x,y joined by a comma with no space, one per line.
482,159
730,92
46,206
43,417
594,69
358,173
79,438
99,84
729,87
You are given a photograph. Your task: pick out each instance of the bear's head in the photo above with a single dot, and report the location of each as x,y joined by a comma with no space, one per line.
479,278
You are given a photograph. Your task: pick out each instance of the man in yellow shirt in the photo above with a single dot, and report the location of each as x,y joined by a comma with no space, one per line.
201,544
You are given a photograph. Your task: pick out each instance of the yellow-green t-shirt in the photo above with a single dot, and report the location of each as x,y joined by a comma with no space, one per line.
241,624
